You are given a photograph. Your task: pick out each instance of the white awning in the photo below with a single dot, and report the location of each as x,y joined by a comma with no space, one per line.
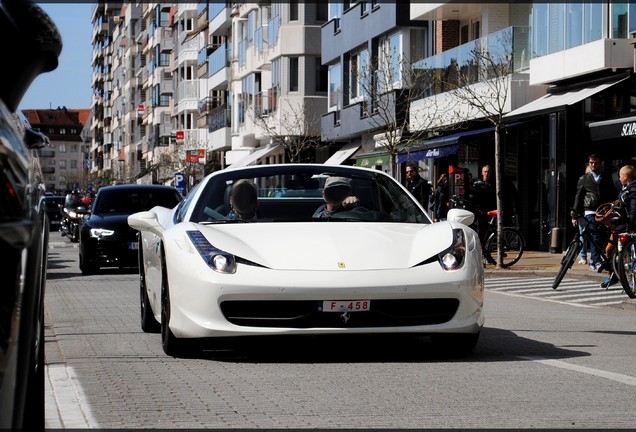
554,101
253,157
341,155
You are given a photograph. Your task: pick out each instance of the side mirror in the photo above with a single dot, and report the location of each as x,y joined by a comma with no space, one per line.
461,216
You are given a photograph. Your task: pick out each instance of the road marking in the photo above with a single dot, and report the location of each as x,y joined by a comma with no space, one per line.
570,292
66,406
623,379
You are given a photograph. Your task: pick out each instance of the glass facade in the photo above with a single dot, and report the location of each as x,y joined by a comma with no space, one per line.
560,26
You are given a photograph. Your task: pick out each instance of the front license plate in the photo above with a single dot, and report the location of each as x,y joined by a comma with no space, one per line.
346,306
133,245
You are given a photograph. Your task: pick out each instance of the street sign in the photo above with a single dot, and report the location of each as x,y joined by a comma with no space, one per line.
179,182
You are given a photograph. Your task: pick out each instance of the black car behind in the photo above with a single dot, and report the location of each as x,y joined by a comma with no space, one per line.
53,207
106,239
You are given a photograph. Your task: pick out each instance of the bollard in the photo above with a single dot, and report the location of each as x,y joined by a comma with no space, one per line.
555,240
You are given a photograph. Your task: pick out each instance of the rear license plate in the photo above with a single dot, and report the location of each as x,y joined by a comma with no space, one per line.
346,306
133,245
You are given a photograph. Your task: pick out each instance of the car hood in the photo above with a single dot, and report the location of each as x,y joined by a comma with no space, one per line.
331,245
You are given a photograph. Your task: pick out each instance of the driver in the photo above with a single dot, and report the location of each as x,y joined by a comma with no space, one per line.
337,196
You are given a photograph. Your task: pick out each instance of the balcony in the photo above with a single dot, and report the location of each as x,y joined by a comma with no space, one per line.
510,45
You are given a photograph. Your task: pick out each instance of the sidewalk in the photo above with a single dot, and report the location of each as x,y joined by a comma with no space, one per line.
544,264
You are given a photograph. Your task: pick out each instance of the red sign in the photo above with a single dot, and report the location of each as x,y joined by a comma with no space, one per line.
179,135
195,156
140,109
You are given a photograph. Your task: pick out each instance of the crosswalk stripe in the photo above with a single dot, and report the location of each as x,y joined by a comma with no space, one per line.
570,291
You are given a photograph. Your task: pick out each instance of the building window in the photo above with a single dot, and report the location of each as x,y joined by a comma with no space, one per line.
293,10
73,164
556,27
335,86
389,71
62,163
293,74
321,11
359,80
335,13
321,78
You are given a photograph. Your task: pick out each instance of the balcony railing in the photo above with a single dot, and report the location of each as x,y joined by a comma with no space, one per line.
219,118
218,60
272,30
473,61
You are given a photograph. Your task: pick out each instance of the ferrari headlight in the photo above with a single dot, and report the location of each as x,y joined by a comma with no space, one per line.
101,232
453,257
216,259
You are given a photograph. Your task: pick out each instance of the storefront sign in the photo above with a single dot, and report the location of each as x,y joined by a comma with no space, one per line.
629,129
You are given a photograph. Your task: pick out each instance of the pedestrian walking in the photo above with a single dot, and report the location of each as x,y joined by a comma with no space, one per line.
583,253
484,194
593,189
440,201
419,187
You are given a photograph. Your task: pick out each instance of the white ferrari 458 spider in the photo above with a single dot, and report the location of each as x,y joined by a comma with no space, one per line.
300,249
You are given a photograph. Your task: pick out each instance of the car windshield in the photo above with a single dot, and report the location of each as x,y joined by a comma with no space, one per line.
295,193
131,200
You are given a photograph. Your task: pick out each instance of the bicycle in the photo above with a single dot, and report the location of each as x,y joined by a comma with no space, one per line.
626,263
513,242
574,248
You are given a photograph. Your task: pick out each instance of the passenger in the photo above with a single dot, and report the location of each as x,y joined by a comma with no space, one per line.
243,201
337,196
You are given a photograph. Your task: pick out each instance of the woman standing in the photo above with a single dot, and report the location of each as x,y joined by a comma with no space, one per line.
440,203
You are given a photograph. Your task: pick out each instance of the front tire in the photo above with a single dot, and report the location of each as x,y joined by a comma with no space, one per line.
571,253
171,345
148,322
627,269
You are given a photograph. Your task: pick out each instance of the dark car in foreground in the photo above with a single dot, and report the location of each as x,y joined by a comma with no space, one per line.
106,239
30,39
53,205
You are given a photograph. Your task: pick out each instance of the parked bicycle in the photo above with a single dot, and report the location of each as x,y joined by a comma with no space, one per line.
513,241
626,262
574,248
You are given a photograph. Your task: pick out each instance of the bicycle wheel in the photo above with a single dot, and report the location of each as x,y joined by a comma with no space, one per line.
626,268
513,246
571,253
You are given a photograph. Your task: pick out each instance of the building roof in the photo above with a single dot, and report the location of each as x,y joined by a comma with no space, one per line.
57,117
46,119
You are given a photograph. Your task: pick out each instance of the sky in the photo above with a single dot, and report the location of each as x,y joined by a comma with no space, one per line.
70,84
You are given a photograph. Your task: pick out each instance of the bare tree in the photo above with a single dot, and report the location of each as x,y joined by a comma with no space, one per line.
386,86
292,122
481,86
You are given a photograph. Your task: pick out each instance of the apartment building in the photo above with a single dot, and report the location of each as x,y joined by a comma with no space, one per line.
195,87
365,46
64,160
